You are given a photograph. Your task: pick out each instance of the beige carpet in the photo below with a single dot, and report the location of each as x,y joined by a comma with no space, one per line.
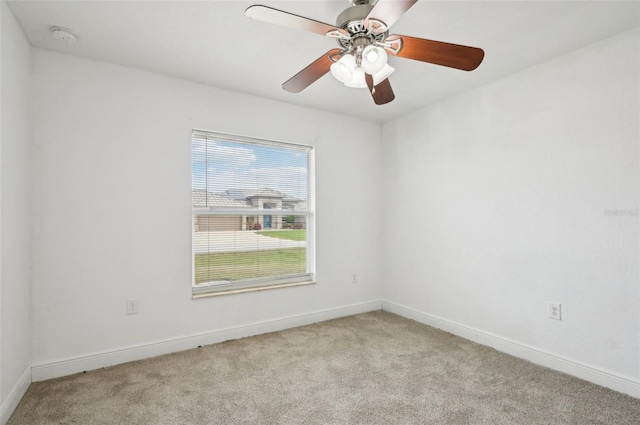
374,368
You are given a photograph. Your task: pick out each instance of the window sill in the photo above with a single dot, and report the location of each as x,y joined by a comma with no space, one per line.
229,291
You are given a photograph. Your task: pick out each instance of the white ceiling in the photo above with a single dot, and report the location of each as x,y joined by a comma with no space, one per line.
213,43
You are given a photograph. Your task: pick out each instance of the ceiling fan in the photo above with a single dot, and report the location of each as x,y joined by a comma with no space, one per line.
362,31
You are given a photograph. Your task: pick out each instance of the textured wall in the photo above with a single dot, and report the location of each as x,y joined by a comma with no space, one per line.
522,192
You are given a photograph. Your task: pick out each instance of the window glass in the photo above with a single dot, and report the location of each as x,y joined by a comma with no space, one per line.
252,214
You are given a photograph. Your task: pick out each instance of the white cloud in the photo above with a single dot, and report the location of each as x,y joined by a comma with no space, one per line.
219,167
229,156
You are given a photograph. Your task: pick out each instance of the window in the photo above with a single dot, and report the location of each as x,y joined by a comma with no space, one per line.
253,221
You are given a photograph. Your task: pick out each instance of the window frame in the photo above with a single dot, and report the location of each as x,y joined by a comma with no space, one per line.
259,284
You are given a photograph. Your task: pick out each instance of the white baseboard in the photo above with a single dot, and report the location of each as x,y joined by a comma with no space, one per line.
15,395
63,367
626,385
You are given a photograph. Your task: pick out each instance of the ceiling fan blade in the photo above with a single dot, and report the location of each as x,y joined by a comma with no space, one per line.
280,17
389,11
311,73
381,93
439,53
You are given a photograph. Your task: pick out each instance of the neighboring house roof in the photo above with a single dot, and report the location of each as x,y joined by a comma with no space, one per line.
291,200
236,198
265,193
202,198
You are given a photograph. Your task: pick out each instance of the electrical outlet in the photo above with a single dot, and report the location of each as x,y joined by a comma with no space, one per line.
555,311
354,277
132,306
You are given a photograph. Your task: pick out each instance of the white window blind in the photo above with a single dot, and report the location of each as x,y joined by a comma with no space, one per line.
253,222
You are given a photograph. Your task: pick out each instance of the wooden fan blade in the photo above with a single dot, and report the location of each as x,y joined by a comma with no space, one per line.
389,11
439,53
311,73
381,93
280,17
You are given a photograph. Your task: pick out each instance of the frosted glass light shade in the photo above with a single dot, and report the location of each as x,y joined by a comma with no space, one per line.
373,59
379,77
343,69
357,81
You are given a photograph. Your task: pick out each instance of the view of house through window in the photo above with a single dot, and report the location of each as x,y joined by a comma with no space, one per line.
252,213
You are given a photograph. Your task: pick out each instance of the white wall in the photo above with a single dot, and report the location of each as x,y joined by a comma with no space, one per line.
498,204
113,219
15,211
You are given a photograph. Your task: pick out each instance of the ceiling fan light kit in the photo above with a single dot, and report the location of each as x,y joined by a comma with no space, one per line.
346,71
343,69
379,77
362,32
373,59
358,80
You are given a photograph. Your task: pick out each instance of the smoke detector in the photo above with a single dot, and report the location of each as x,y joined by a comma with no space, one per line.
63,34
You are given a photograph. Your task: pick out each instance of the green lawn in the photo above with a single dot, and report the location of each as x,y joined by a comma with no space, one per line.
294,235
235,266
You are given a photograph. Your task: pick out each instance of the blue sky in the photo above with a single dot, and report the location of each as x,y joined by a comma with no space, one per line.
221,165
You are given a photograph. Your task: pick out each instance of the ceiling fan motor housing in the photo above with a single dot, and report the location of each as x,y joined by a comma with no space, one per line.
355,13
352,19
